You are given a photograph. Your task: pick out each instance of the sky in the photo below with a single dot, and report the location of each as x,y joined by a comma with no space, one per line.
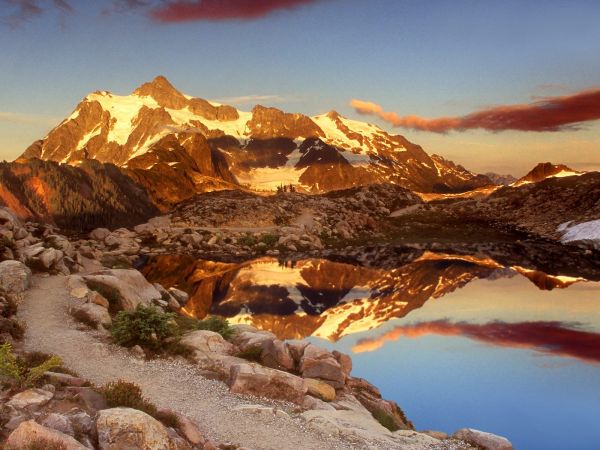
460,63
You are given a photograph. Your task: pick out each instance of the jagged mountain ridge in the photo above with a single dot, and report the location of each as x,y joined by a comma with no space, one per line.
74,198
157,133
543,171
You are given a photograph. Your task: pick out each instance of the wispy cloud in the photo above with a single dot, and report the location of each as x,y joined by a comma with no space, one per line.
547,114
13,117
219,10
555,338
21,11
254,99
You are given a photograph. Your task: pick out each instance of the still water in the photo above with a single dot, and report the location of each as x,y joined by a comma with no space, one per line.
457,341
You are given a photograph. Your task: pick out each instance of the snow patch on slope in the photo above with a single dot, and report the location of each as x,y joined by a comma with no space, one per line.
580,232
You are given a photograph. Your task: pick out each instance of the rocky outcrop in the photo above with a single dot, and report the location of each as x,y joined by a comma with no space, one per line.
30,434
125,288
120,428
484,440
15,277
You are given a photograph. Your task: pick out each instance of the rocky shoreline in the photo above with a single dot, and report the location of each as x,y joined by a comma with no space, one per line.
316,383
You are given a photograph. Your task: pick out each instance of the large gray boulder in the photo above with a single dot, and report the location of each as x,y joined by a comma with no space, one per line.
319,363
126,428
488,441
15,277
30,434
127,287
265,382
92,314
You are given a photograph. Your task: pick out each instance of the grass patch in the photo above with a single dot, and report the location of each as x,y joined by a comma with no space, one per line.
270,240
17,373
385,419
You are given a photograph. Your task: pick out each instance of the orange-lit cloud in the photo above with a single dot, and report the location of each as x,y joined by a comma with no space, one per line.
547,114
548,337
215,10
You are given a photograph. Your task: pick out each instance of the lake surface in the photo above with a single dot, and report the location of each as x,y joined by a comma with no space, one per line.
457,341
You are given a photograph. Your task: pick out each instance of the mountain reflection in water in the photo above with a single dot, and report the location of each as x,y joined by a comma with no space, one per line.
317,297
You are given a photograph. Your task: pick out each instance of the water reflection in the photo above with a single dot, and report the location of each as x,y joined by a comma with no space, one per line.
317,297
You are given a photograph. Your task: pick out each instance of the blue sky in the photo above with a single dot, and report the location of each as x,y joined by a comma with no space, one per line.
428,58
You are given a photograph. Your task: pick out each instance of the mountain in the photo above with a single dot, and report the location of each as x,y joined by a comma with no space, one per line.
176,145
546,170
501,180
79,198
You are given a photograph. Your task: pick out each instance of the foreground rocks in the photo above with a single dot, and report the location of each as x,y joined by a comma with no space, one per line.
121,428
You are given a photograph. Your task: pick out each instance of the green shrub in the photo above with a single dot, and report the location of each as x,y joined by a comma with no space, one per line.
33,359
146,326
385,419
17,373
269,239
216,324
247,241
251,354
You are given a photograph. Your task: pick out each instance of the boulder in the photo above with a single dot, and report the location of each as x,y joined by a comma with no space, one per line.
30,399
246,340
127,287
266,382
58,422
99,234
205,341
275,354
317,362
65,379
488,441
97,299
126,428
92,314
320,389
179,295
30,434
15,277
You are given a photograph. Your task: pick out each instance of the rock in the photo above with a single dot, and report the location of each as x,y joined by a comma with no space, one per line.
127,287
126,428
99,234
29,434
92,314
49,257
189,430
79,292
30,399
65,379
58,422
311,402
97,299
92,400
138,352
275,354
15,277
266,382
344,360
262,410
436,434
317,362
488,441
180,296
205,341
297,350
320,389
248,339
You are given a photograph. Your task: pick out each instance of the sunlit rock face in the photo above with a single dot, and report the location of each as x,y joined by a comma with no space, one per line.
176,146
317,297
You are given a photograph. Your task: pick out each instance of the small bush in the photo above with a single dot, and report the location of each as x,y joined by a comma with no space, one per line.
251,354
385,419
129,395
8,305
17,373
269,239
218,325
247,241
12,327
33,359
146,326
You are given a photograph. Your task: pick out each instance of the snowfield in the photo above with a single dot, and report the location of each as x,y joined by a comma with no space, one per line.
583,231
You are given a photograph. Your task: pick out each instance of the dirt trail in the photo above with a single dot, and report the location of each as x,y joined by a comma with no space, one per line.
168,384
